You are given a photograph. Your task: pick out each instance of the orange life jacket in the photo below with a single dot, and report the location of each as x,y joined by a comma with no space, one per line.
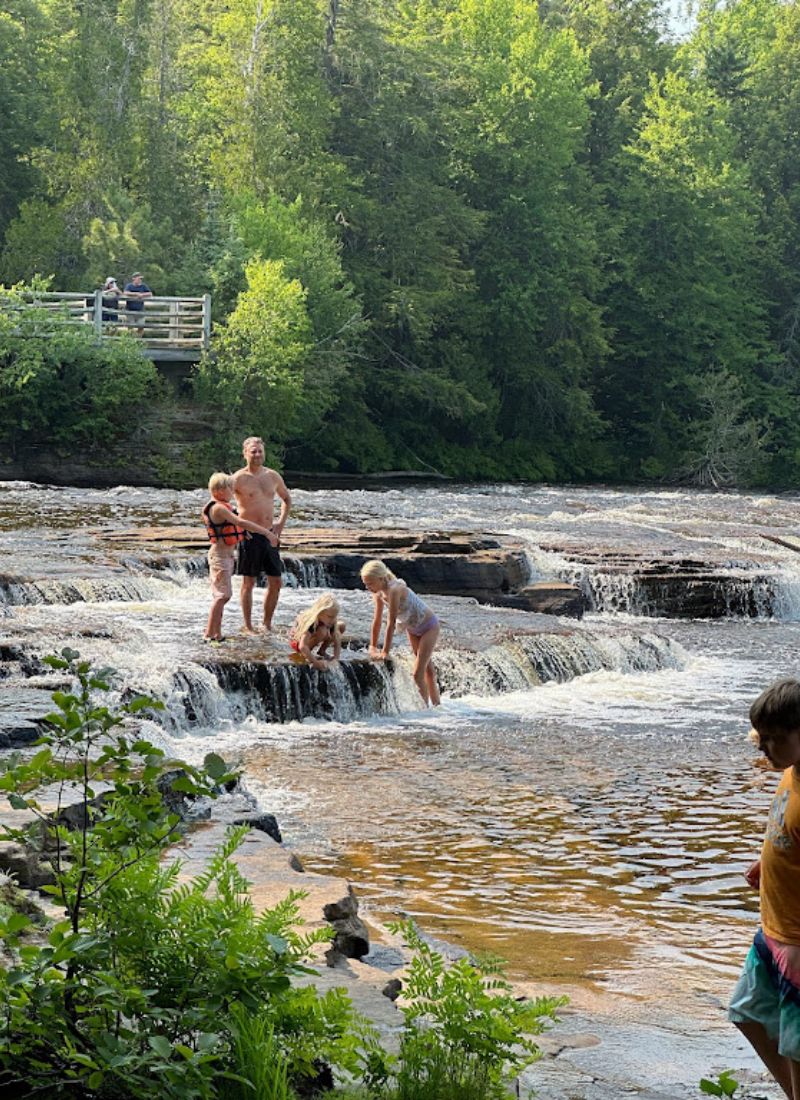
228,533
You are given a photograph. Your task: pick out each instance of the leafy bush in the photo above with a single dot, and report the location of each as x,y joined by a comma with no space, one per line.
465,1033
59,385
725,1085
142,990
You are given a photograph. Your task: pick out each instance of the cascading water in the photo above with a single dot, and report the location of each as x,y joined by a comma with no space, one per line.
228,690
584,799
16,592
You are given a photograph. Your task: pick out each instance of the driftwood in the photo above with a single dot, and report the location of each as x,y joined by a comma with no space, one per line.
781,542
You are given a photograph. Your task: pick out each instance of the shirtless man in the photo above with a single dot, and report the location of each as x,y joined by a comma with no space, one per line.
255,487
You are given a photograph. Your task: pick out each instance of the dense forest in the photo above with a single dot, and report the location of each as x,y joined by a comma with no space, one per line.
491,238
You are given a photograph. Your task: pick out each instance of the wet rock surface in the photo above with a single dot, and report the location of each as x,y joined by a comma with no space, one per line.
456,564
671,586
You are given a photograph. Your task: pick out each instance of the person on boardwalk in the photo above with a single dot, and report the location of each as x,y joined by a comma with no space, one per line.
136,291
110,300
405,608
766,1002
316,628
226,530
256,486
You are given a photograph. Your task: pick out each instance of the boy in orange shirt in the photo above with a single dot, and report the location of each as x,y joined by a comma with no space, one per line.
766,1002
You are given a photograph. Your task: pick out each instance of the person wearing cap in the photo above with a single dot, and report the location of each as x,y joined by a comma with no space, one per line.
135,293
111,296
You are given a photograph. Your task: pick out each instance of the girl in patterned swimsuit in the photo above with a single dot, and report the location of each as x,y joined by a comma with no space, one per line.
406,609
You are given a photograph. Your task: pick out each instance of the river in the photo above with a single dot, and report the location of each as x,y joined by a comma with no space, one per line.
593,831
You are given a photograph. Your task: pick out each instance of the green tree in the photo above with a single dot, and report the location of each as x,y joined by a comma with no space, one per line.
25,112
258,378
59,384
686,300
525,91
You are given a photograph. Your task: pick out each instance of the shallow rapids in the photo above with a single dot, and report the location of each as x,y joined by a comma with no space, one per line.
591,825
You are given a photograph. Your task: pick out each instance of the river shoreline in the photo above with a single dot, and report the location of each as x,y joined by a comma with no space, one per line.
594,821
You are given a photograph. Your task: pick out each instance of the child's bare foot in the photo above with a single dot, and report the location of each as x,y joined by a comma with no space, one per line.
249,631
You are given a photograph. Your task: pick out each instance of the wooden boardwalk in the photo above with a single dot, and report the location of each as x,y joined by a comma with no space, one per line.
173,330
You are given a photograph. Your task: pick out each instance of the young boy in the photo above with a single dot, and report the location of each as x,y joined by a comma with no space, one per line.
225,530
766,1002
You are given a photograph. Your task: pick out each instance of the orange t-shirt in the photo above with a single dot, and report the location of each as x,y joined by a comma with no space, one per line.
780,863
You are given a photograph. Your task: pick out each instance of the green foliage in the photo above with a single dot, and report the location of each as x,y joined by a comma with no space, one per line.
465,1033
257,1061
259,375
725,1085
58,384
149,984
515,238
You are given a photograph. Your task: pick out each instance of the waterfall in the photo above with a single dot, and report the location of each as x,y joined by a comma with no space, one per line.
203,695
19,591
524,661
304,573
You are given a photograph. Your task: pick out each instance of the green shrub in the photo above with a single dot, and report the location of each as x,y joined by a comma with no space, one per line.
465,1033
142,990
59,385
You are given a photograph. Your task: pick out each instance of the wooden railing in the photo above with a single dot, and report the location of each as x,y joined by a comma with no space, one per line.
169,324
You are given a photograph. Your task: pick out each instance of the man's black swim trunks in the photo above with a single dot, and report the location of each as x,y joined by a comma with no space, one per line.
257,556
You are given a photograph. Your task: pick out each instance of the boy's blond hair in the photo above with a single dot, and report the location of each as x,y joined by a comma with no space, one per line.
219,481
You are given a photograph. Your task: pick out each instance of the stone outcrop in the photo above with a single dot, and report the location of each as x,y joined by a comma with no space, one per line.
352,935
666,586
24,864
447,564
266,823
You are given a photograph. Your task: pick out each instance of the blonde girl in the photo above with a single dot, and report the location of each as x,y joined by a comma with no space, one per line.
317,628
405,608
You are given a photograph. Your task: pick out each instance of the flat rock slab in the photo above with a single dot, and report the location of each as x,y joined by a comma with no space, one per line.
455,564
265,864
669,585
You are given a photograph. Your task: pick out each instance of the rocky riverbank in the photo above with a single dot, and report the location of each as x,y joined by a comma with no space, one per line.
366,960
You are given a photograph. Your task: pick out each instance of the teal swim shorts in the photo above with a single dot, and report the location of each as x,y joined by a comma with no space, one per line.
764,995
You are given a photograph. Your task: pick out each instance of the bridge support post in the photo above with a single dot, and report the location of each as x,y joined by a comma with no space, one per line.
206,322
97,319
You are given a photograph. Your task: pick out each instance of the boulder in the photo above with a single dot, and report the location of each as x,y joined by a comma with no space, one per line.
352,935
265,823
548,598
24,865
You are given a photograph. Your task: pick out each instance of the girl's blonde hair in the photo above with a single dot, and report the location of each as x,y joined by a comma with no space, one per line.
306,619
219,481
376,570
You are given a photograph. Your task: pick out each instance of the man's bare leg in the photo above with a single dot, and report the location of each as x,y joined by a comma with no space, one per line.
271,600
246,601
782,1069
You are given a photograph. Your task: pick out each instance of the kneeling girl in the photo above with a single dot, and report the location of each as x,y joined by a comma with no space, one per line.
315,630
